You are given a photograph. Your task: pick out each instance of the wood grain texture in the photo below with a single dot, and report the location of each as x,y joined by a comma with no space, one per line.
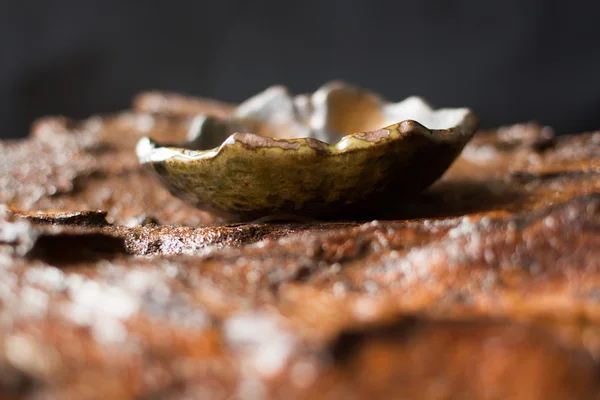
485,286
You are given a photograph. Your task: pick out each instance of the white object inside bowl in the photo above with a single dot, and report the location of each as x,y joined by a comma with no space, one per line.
332,112
414,108
336,110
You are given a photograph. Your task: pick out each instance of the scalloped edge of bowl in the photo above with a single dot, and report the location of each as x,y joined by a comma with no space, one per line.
149,151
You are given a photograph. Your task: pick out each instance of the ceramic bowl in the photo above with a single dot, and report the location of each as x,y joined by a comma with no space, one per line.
340,152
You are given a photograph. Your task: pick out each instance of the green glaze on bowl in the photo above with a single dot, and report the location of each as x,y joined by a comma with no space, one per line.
340,152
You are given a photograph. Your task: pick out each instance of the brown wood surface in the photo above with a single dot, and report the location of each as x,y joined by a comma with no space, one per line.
485,286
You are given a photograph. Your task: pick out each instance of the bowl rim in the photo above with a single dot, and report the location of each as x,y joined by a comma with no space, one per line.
150,151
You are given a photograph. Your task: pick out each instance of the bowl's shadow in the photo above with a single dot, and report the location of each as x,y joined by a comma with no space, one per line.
445,199
454,199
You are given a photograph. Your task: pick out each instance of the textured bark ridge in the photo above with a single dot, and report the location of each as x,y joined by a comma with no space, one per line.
486,286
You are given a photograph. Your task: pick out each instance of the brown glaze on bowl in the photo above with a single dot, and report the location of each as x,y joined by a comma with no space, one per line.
341,150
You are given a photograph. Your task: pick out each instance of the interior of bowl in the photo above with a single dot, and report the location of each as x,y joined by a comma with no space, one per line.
329,114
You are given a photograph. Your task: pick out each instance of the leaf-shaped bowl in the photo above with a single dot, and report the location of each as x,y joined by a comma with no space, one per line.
339,152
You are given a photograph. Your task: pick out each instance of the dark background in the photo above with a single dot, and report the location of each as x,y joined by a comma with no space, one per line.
510,61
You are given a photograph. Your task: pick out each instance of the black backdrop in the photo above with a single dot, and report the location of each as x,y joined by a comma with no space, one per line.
508,60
